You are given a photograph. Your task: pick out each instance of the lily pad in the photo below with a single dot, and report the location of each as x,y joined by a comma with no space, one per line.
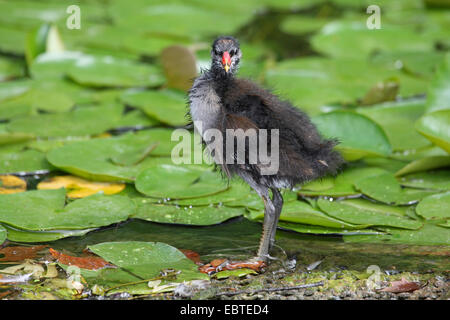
435,180
80,122
429,234
113,72
166,106
25,161
423,164
358,135
360,211
435,126
2,234
387,189
303,228
435,207
439,93
21,235
342,185
397,121
179,182
199,216
43,210
148,259
101,159
303,213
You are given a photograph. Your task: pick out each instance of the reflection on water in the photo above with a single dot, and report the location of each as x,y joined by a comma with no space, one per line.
238,239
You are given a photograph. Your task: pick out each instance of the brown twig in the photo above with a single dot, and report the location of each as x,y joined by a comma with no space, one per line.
303,286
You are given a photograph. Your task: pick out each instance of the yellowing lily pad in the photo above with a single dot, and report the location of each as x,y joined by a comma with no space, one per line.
12,184
80,188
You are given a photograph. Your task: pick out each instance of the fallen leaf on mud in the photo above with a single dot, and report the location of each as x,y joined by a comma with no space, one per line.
223,264
12,184
80,188
90,263
402,286
19,253
29,267
5,293
192,255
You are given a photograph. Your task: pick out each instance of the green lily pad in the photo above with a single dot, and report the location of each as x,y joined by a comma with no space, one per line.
199,216
238,273
303,213
2,234
11,69
342,185
20,235
342,81
352,39
435,180
179,182
360,211
429,234
303,24
10,138
113,72
397,121
439,91
99,159
166,106
423,164
11,89
43,210
25,161
435,207
303,228
135,119
358,135
148,259
435,126
80,122
387,189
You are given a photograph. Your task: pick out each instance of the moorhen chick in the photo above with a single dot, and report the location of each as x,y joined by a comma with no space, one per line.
221,102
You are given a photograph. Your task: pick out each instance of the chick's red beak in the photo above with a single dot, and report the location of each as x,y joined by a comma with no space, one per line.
226,61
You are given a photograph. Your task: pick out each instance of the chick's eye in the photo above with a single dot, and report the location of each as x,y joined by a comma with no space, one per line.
233,52
216,52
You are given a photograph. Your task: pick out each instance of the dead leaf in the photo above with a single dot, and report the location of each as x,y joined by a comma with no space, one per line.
29,267
192,255
80,188
20,253
223,264
179,67
401,286
90,263
12,184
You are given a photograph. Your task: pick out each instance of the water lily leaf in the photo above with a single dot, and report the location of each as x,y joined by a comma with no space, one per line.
3,233
99,159
80,188
435,126
166,106
435,180
200,216
342,185
438,96
239,273
352,39
11,69
44,210
148,259
360,211
435,207
12,40
397,120
11,184
303,213
423,164
80,122
20,235
429,234
90,262
8,137
304,228
387,189
343,81
179,182
135,119
113,72
11,89
303,24
358,135
25,161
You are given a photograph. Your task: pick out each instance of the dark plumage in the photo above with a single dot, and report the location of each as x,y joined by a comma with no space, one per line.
218,100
